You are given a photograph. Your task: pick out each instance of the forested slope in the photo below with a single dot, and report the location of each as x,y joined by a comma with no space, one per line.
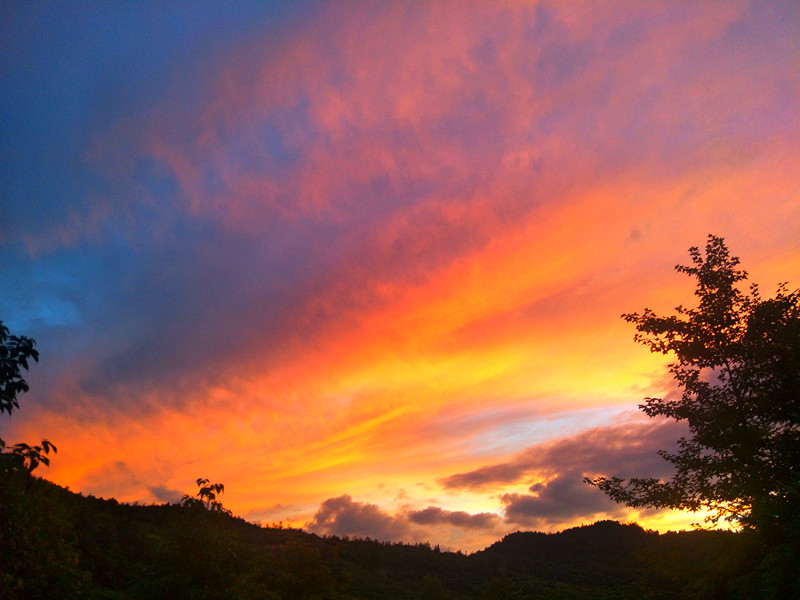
58,544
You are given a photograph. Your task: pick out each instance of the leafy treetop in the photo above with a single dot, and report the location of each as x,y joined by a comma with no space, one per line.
738,368
15,354
206,497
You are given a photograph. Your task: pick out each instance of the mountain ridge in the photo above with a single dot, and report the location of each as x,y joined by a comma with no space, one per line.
59,543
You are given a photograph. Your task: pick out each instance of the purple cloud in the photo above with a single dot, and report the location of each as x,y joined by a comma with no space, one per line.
433,515
165,494
342,516
618,449
625,450
563,498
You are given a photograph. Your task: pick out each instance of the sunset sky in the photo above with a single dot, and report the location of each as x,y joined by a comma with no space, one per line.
364,263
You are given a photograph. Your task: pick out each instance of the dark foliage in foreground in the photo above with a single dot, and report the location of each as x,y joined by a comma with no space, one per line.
736,362
58,544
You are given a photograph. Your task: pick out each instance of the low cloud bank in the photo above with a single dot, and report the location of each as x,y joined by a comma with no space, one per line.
556,496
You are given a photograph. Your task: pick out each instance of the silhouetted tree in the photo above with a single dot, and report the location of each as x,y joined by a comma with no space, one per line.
206,496
738,368
15,354
37,556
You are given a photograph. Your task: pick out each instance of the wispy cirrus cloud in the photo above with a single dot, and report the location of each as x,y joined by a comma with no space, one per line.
304,181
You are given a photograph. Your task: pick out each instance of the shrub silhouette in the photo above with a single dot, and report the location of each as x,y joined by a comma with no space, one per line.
206,497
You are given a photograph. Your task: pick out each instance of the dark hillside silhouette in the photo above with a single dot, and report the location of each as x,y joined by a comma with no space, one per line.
101,549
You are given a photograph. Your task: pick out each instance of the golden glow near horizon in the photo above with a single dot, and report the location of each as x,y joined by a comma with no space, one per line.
375,263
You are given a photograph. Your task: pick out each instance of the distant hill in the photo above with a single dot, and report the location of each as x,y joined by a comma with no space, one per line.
58,544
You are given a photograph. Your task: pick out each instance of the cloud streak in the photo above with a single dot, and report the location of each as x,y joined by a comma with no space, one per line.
554,472
601,450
